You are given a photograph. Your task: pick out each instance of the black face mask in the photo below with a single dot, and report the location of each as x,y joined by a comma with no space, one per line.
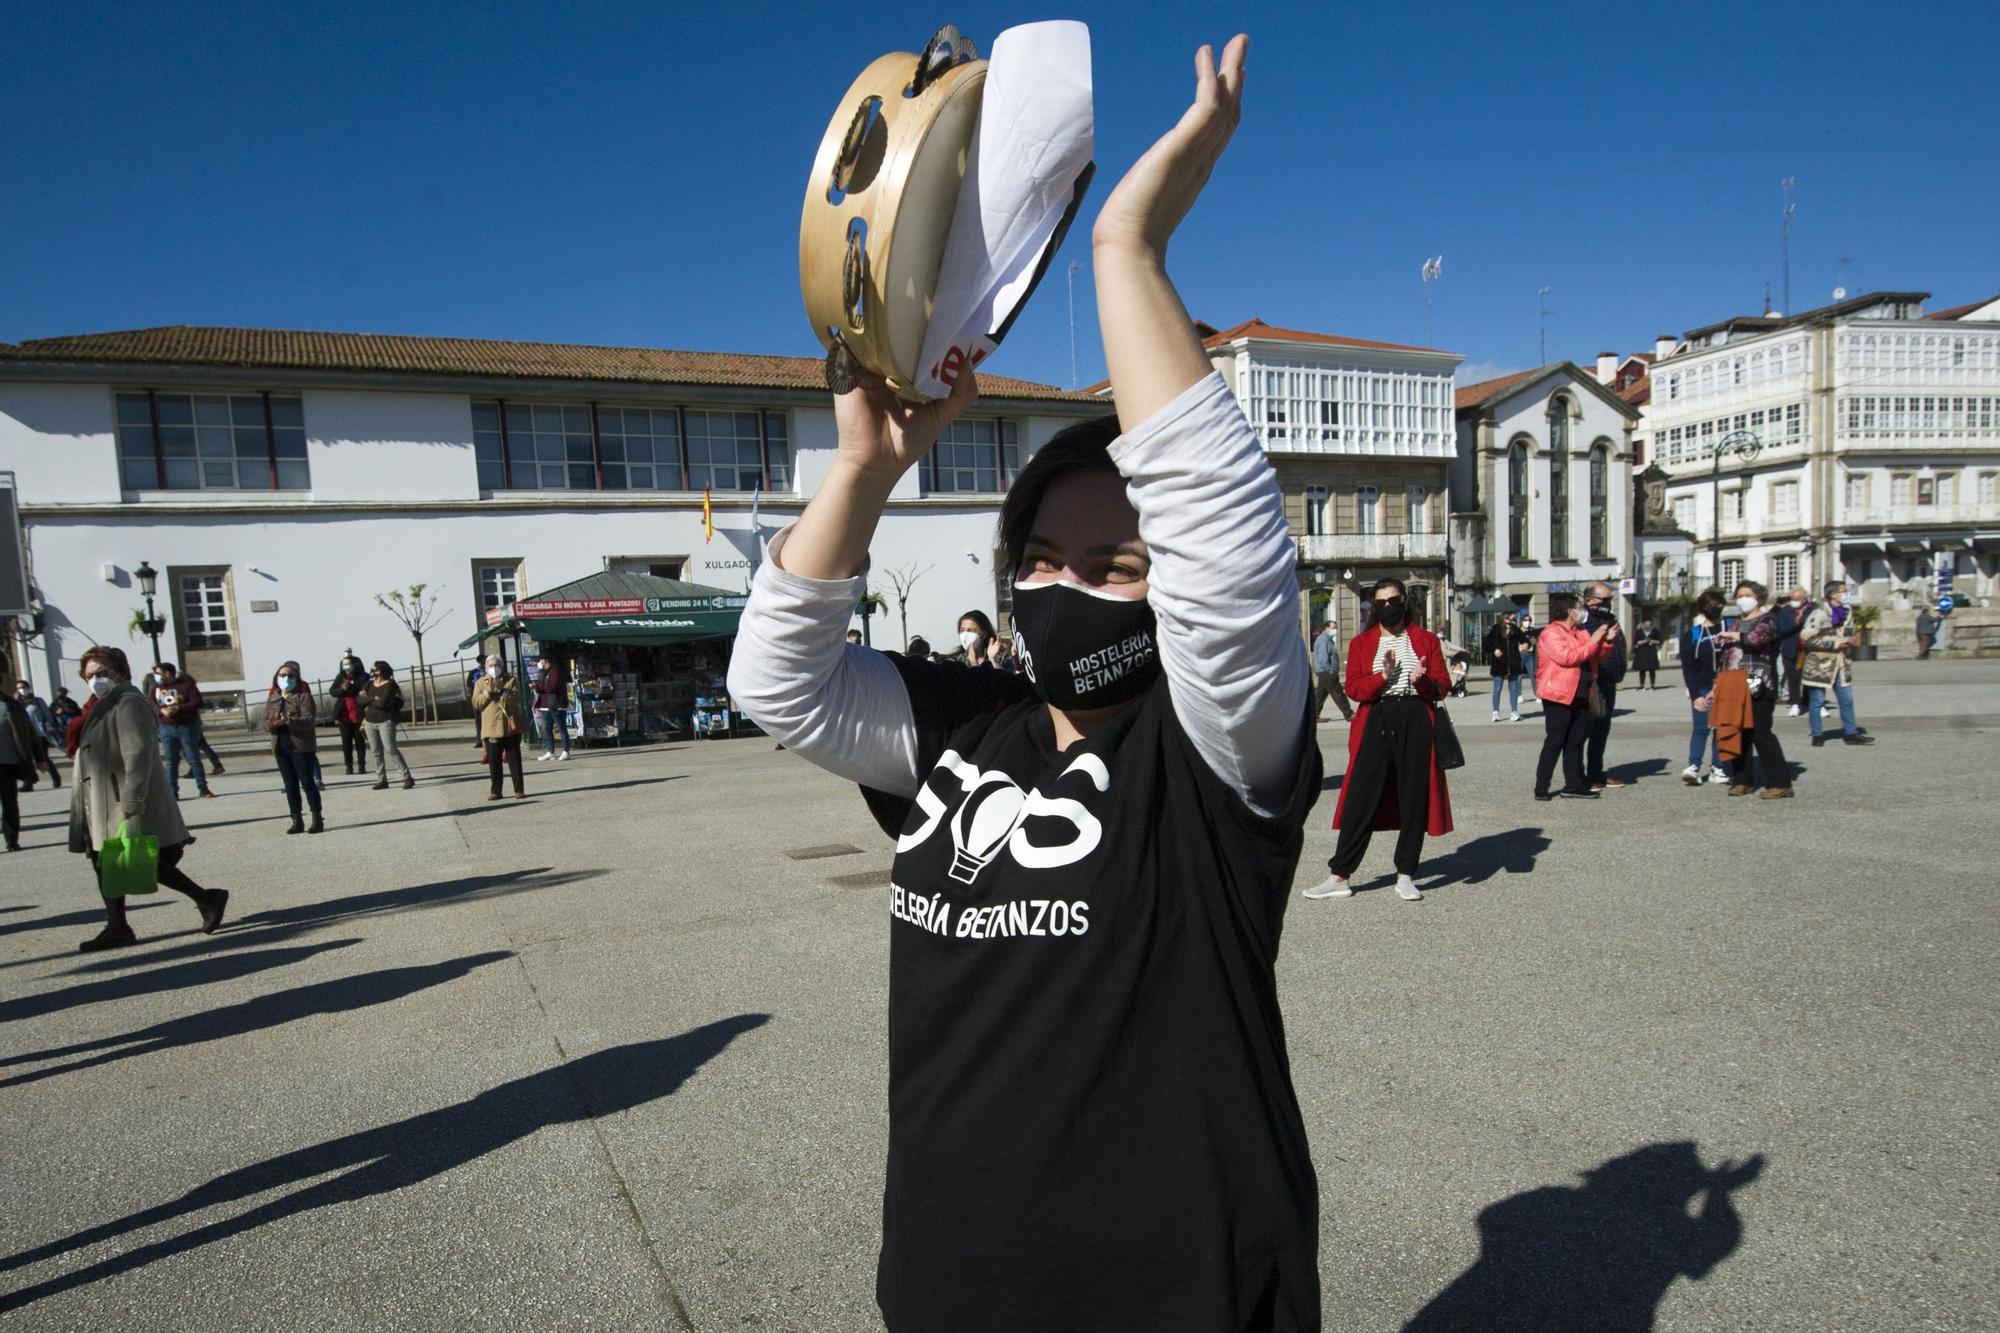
1083,649
1390,616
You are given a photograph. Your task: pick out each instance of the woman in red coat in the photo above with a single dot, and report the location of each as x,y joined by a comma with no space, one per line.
1395,673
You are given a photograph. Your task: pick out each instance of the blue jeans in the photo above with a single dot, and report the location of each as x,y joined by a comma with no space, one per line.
176,742
1815,697
297,771
555,722
1704,738
1528,666
1513,684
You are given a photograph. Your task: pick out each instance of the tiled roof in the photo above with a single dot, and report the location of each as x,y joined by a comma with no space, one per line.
291,349
1257,328
1485,391
1961,311
1639,392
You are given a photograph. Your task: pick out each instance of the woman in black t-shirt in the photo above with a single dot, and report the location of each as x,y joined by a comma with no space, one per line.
1091,1117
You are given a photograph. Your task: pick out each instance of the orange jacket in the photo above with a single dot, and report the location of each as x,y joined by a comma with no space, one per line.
1730,713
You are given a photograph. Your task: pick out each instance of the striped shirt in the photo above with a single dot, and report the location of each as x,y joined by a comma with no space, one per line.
1399,647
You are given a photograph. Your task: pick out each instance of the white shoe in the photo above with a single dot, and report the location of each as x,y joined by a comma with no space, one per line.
1407,890
1794,712
1691,775
1333,886
544,757
1496,715
1513,717
564,756
1717,778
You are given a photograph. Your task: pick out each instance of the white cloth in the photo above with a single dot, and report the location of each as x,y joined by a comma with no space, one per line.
1398,646
1034,139
1222,586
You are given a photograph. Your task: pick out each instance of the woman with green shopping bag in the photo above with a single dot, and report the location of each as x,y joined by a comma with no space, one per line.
121,792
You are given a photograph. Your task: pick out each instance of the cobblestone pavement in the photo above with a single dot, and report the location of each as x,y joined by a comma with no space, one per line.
613,1057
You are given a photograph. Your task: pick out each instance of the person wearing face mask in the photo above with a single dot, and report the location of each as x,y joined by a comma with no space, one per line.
1502,647
1646,642
1701,661
1791,619
346,690
120,784
1568,654
552,709
1828,638
497,703
178,701
382,711
1607,669
975,640
1750,646
46,732
1088,1079
1395,677
291,721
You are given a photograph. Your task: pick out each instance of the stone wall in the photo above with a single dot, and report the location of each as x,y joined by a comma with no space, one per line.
1970,631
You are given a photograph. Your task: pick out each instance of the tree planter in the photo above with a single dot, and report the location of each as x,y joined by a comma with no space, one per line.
1864,652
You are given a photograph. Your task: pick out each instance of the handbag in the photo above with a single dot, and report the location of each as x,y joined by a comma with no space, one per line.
1450,754
1595,707
128,864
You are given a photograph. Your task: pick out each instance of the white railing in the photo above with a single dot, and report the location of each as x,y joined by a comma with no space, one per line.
1898,515
1373,546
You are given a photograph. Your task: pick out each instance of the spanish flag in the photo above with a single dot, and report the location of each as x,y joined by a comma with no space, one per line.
707,519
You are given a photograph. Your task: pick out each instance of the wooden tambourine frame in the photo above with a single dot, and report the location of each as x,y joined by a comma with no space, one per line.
879,207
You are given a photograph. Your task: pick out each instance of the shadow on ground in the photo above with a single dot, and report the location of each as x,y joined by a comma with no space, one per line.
395,1156
1599,1257
1511,852
254,1015
202,972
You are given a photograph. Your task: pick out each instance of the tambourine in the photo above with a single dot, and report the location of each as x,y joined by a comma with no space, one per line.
880,201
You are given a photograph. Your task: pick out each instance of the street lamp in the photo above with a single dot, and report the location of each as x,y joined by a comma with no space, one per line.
152,626
866,610
1745,445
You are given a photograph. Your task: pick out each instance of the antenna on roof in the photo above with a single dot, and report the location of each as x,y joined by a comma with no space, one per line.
1543,296
1785,244
1433,269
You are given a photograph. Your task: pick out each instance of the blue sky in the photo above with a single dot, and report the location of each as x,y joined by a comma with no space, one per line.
631,174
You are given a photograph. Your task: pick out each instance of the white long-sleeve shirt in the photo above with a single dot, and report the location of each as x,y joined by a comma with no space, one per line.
1222,587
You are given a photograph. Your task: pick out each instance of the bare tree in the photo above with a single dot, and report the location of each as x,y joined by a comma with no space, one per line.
902,580
418,610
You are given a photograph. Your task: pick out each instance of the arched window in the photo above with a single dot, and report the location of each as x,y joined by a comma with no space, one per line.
1517,500
1559,462
1600,501
1559,424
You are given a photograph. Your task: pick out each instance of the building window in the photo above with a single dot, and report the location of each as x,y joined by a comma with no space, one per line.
1926,491
1784,575
1988,490
212,442
1684,513
549,447
1857,491
1785,501
1732,574
641,448
1517,500
725,451
1899,488
204,610
1559,424
1732,505
499,586
1558,504
1947,488
1600,501
976,455
1366,519
1315,497
1416,509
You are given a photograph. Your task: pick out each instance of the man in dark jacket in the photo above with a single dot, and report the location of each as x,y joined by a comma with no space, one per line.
1791,619
177,699
1599,601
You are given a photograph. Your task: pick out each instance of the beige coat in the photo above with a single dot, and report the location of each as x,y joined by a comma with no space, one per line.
118,776
1825,660
496,701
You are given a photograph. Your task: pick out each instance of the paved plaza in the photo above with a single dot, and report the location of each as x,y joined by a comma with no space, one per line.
613,1057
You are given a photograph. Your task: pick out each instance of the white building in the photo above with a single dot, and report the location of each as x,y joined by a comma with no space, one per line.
1541,487
1360,435
1878,446
280,480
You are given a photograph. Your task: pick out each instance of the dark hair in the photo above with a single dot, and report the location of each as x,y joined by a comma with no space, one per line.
1832,586
1380,584
918,647
1708,601
1072,451
1759,589
1561,604
168,666
382,668
297,675
978,618
111,657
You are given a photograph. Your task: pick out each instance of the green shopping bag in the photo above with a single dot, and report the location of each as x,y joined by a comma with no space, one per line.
128,864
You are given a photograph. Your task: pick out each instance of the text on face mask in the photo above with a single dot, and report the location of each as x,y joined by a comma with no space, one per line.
1107,664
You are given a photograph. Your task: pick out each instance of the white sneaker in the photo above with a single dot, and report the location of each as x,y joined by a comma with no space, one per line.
1691,775
1717,778
544,757
1496,715
1794,712
1407,890
1513,717
564,756
1333,886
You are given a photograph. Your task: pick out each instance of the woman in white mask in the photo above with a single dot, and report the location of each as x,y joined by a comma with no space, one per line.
1751,643
976,639
1087,1072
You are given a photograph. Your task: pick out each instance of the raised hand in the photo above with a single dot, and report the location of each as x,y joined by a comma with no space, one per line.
883,436
1161,187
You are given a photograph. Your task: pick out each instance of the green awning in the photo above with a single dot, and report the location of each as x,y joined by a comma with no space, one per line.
620,608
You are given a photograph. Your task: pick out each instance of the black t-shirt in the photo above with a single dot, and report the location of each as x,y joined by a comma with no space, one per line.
1091,1117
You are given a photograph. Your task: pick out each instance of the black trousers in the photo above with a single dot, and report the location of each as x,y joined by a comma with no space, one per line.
171,876
1762,740
1396,748
1596,731
10,800
353,746
505,750
1562,737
